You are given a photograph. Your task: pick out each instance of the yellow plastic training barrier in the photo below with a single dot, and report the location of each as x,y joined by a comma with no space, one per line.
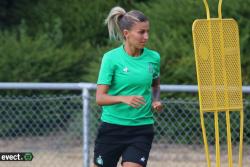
217,56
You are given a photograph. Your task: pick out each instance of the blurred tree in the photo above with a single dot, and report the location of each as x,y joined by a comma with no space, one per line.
171,34
39,59
75,30
57,39
81,20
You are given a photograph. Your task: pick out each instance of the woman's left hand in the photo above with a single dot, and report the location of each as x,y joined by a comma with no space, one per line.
157,105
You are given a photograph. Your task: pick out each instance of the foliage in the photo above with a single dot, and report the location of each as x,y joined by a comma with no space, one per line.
171,35
65,40
41,58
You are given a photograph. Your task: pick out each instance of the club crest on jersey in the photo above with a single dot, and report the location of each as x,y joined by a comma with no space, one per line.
150,67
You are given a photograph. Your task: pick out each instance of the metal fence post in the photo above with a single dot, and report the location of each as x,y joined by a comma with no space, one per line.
85,99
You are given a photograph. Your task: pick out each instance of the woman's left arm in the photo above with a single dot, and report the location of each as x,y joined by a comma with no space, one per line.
157,105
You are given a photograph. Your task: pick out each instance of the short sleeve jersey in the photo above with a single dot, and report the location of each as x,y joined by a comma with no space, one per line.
129,76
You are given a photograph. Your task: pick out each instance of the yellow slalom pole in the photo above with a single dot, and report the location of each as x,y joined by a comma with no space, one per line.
219,9
229,142
216,120
207,9
205,139
217,138
241,137
228,125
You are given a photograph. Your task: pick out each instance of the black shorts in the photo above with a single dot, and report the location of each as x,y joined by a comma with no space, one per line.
132,143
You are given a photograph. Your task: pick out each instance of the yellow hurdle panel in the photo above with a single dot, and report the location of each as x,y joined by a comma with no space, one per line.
217,55
217,52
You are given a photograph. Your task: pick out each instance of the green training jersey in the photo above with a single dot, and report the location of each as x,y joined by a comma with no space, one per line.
129,76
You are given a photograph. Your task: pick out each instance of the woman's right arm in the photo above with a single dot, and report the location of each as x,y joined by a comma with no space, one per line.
102,98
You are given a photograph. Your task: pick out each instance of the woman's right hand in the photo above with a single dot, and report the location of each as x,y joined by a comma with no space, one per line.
102,98
134,101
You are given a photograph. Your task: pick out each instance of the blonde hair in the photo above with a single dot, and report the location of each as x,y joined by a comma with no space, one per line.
118,20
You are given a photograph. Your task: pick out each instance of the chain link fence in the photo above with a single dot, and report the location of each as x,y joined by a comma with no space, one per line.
51,127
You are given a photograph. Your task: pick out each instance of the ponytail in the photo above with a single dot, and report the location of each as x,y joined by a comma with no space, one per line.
112,21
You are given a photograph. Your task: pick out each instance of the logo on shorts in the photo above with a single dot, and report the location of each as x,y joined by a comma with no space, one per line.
99,160
143,159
